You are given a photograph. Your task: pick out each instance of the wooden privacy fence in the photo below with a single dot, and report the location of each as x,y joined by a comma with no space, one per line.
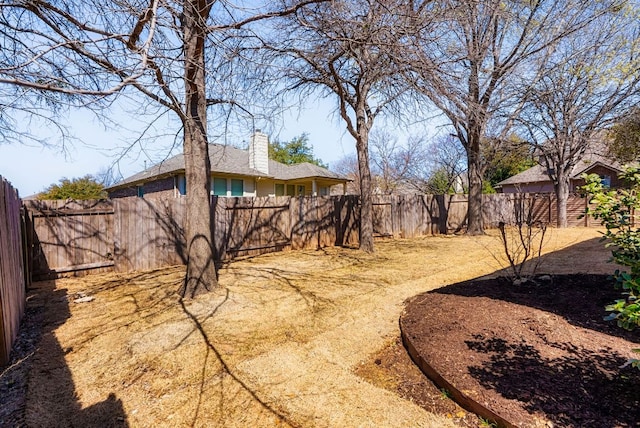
69,236
150,232
12,268
145,233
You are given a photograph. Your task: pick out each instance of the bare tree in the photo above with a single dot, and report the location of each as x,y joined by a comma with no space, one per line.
184,57
466,67
347,166
444,167
588,82
107,176
383,151
396,167
416,165
342,49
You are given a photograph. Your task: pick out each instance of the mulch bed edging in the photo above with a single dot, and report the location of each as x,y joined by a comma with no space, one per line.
537,354
463,400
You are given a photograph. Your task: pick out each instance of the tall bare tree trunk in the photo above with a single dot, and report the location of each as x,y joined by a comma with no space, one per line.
366,202
201,270
474,212
562,192
475,224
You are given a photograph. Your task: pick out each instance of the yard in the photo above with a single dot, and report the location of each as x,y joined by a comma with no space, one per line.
306,338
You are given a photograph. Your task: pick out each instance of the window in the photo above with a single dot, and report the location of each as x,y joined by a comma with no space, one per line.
291,190
237,187
301,190
181,185
220,186
140,190
324,191
279,189
606,180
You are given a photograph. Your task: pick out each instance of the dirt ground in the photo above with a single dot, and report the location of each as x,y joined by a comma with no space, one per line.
305,339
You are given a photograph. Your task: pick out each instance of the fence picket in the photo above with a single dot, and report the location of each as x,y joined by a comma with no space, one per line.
146,233
12,280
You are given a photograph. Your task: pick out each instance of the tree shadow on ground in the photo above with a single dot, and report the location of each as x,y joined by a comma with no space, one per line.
587,295
52,400
572,383
212,351
268,414
224,397
518,371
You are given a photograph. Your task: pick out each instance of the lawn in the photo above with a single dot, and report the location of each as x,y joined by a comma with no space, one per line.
289,339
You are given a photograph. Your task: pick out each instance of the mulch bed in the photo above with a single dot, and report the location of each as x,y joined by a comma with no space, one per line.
537,354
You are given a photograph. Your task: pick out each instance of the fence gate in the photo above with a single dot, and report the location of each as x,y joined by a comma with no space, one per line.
70,236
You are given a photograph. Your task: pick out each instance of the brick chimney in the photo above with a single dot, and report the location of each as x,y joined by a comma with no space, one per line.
259,152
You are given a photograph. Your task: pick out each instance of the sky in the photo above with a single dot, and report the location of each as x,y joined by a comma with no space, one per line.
31,168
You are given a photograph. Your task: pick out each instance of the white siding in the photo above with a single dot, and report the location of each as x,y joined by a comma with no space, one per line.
266,188
259,152
249,188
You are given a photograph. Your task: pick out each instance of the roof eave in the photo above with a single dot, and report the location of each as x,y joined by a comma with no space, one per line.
594,164
140,181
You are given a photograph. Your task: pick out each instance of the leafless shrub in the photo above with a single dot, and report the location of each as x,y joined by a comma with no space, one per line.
523,241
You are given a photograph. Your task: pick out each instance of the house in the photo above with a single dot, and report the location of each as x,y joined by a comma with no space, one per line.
536,179
234,172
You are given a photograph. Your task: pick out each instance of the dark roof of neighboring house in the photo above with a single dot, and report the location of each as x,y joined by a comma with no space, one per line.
281,171
230,160
538,173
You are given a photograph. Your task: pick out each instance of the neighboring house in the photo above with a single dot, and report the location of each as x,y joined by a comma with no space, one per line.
537,180
234,172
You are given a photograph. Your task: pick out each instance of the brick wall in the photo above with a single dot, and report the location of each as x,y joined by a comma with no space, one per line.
601,171
159,188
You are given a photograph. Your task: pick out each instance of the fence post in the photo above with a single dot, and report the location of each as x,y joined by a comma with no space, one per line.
12,280
4,356
26,244
292,222
395,213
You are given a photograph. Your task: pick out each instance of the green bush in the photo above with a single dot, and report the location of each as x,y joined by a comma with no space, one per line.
86,187
617,211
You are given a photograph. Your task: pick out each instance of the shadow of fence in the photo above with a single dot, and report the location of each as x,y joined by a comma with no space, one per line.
51,388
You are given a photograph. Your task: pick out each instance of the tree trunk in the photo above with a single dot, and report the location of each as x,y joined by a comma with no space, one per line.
475,223
366,203
201,273
562,195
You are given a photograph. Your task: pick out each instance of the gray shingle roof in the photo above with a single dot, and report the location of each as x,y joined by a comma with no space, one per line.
538,173
532,175
281,171
230,160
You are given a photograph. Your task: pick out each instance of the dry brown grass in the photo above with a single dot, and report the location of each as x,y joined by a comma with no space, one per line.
276,345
